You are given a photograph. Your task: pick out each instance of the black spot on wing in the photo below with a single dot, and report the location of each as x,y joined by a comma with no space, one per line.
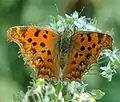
81,35
88,56
89,37
89,48
82,63
42,44
33,50
49,52
76,38
49,60
82,48
46,32
82,39
29,40
100,37
45,36
43,51
23,30
37,33
53,35
39,59
93,45
34,43
80,54
73,62
76,55
77,69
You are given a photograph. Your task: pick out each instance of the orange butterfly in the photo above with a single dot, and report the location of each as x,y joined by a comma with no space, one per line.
47,51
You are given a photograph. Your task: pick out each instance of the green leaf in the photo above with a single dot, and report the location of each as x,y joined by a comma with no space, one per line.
97,94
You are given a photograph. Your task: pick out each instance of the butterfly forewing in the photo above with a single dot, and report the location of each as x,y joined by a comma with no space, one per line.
85,49
39,46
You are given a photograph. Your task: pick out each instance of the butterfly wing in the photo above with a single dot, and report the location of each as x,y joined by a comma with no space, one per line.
85,49
39,46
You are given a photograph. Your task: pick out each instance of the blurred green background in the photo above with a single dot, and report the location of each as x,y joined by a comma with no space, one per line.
15,75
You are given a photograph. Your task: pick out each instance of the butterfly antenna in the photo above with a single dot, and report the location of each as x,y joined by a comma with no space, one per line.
57,10
82,10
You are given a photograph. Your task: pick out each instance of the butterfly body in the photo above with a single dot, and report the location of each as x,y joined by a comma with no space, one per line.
64,48
47,51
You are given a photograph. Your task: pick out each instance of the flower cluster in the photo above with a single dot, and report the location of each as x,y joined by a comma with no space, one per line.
73,23
113,63
40,91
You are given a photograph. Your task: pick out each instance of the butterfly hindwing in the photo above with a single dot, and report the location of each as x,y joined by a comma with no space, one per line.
39,45
85,49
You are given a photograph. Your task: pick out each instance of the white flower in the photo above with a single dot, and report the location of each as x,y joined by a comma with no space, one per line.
76,98
83,97
50,90
46,98
91,27
113,55
67,16
108,72
80,22
75,15
38,89
77,87
60,95
86,97
70,89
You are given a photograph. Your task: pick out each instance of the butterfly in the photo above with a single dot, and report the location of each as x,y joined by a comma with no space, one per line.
49,52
